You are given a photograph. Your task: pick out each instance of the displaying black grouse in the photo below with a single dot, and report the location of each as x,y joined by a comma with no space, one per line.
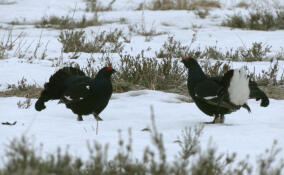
80,93
57,85
217,96
255,92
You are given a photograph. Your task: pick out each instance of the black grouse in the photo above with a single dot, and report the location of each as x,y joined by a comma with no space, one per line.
255,91
80,93
57,85
217,96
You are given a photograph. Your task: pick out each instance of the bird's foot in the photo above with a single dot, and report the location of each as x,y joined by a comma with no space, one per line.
217,119
222,119
79,118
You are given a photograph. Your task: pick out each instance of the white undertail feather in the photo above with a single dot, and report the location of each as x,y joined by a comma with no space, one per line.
239,87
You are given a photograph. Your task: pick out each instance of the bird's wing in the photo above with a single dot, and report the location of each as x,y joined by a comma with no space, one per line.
77,92
209,91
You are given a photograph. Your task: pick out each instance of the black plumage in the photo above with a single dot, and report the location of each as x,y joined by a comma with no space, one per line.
214,96
57,85
80,93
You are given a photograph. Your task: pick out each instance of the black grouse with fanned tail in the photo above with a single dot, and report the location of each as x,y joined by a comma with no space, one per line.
82,94
213,98
255,91
57,85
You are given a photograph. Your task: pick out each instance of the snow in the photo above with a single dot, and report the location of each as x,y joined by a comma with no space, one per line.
55,126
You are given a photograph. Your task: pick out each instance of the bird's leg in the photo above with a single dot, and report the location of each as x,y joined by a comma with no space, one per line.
98,118
215,119
222,118
221,95
79,118
246,106
218,118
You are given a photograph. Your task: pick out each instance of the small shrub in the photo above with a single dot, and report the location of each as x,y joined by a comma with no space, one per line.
123,20
24,104
72,41
204,4
217,69
257,20
235,21
201,13
141,30
184,4
66,22
95,6
280,54
151,73
7,43
162,5
75,41
22,89
209,162
257,52
174,49
242,4
212,52
269,77
265,162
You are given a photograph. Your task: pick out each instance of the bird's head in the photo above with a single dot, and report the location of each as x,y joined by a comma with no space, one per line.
189,62
194,70
106,71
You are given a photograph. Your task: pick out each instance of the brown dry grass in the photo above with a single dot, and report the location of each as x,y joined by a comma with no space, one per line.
242,4
33,92
184,4
275,92
205,4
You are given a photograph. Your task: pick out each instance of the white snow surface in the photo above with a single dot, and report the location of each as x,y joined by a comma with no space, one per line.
55,126
242,132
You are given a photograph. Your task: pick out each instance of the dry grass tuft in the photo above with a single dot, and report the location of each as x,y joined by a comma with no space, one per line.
76,41
257,20
242,4
22,89
67,22
184,4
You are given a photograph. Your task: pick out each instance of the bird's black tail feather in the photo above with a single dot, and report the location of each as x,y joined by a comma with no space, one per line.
56,85
258,94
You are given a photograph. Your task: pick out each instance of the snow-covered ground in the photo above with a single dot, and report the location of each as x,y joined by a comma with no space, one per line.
57,126
242,132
